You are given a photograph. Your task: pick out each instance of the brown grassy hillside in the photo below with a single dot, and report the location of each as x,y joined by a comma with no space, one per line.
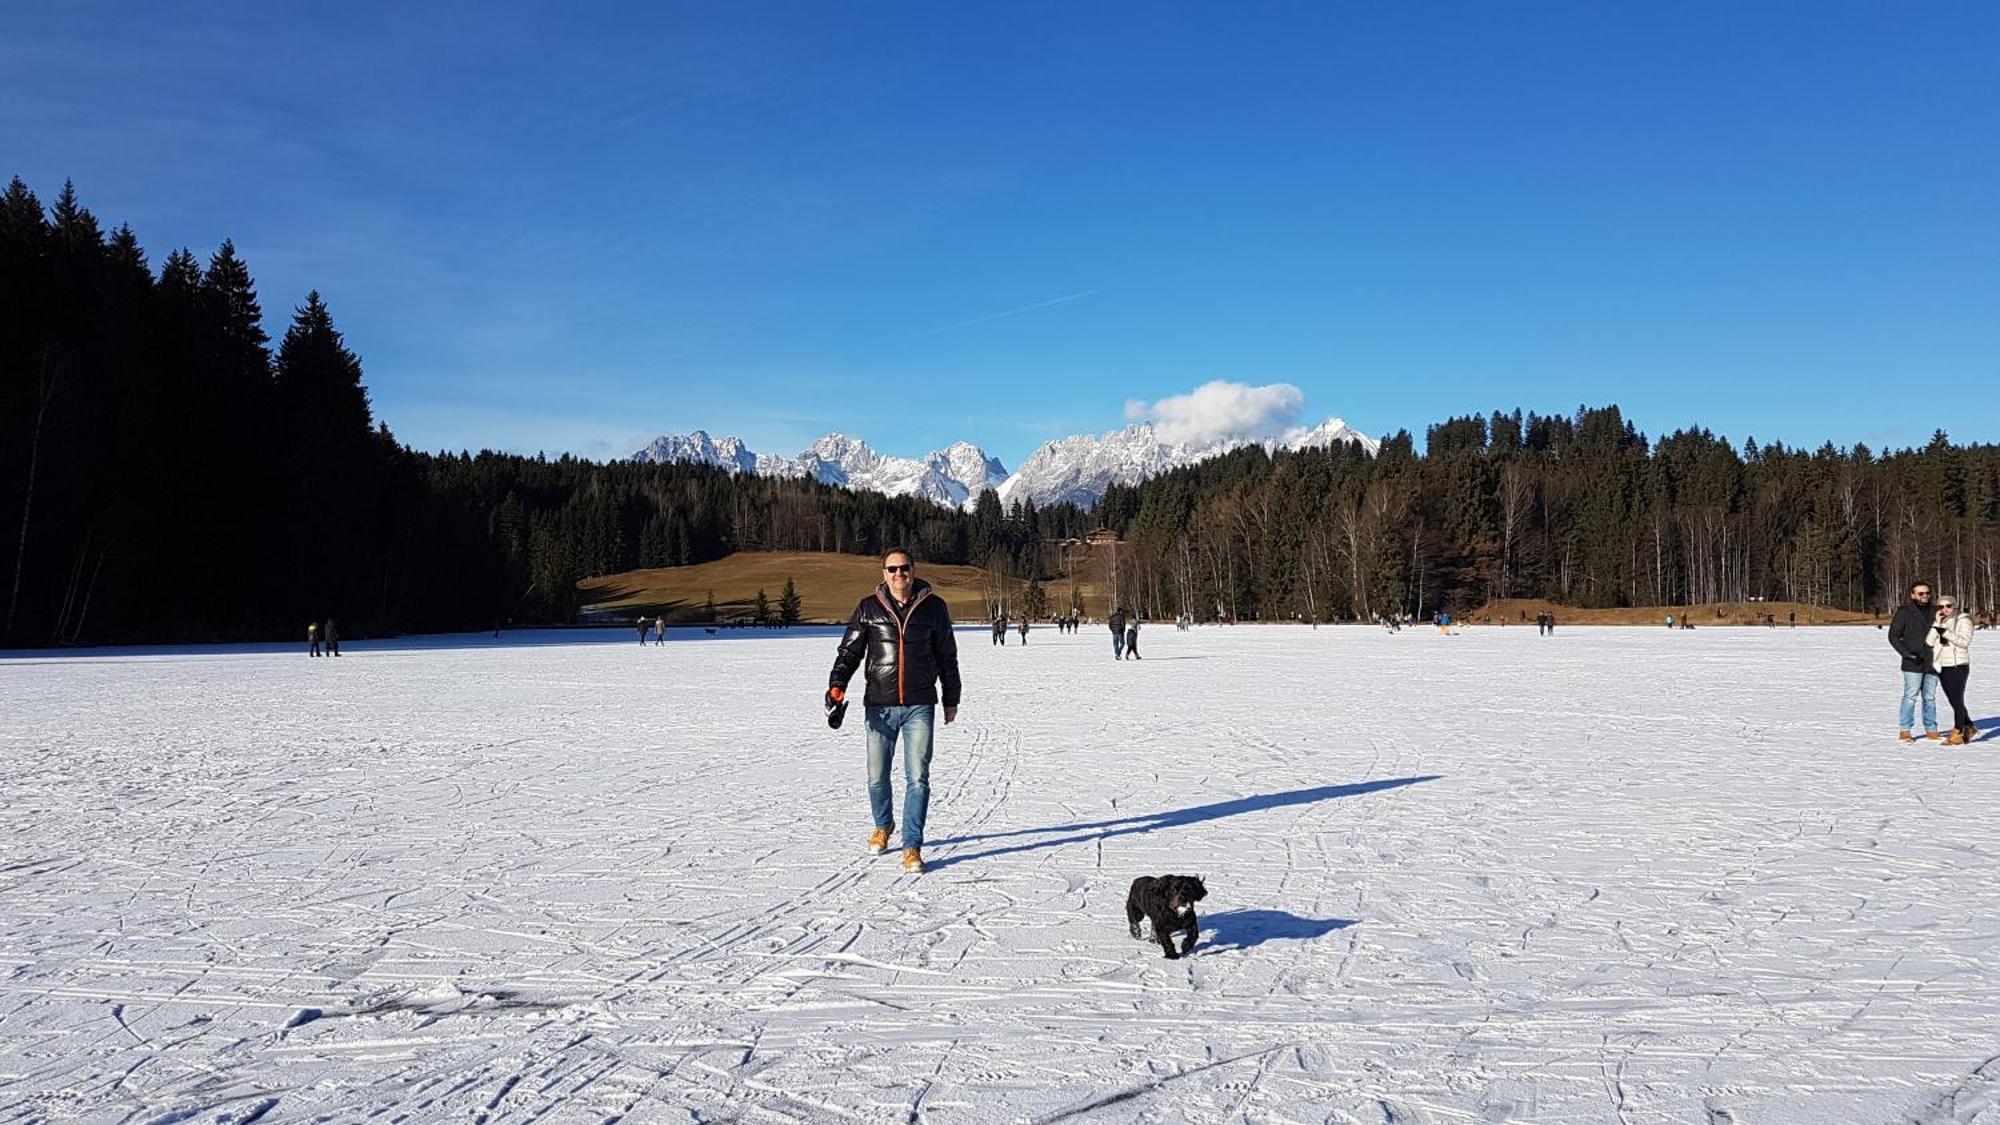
1517,611
829,584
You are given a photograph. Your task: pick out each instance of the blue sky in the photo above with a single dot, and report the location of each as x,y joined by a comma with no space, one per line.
570,230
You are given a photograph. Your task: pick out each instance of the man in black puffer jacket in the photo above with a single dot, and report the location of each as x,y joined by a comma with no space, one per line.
903,631
1906,636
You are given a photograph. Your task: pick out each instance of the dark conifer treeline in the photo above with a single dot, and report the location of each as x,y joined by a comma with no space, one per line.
165,474
1581,509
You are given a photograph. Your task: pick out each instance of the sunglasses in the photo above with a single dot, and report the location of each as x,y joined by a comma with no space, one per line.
904,569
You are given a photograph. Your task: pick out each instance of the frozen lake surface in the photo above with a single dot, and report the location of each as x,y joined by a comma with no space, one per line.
1615,875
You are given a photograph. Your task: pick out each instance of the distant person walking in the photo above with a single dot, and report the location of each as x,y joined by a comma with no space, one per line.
1024,630
902,632
1908,633
1950,641
1000,631
1132,638
330,634
645,628
312,637
660,627
1118,635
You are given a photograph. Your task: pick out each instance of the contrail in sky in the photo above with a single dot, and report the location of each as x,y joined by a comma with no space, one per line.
1009,312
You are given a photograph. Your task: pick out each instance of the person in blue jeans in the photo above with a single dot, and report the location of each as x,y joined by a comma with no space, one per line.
1907,635
902,633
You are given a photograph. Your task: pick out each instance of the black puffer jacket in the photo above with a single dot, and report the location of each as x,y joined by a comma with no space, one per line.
909,649
1906,635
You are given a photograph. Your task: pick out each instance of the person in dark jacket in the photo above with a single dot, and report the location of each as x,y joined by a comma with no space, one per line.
1132,638
1118,635
903,633
331,636
1908,633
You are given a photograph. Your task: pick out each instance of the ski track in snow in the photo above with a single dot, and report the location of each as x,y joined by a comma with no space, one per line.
1616,875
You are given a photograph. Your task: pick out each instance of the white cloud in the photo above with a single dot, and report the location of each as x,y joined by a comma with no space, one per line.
1223,411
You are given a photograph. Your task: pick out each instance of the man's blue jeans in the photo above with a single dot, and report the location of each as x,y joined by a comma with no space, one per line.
914,725
1118,645
1925,684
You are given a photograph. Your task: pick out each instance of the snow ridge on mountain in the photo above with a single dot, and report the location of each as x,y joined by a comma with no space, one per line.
1078,469
1074,469
953,476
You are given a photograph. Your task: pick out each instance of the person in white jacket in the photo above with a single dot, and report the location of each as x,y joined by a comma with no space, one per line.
1950,641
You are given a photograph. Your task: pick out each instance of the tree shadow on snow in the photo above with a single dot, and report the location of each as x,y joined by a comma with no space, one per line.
1244,929
1086,831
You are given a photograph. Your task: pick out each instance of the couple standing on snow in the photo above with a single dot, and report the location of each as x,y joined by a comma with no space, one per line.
1936,647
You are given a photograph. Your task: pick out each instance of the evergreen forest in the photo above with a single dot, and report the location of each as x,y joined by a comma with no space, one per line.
170,472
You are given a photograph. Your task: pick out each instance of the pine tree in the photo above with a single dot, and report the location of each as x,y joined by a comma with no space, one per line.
1035,600
708,608
763,610
790,605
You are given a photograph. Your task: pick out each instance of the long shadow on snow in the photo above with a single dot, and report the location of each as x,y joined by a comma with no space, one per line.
1242,929
1125,826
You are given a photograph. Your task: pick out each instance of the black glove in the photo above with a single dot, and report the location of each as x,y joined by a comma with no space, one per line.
836,707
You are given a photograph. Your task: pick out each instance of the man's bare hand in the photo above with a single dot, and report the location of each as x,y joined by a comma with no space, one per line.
950,713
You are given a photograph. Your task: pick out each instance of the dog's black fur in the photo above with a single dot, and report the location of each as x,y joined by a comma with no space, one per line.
1169,902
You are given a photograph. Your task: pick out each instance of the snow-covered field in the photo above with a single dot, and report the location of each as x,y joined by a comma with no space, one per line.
1613,875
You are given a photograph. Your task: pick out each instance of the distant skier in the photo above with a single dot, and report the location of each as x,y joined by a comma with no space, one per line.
312,637
331,635
1132,638
903,634
1118,635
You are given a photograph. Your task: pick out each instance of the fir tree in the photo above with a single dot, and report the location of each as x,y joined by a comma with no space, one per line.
789,604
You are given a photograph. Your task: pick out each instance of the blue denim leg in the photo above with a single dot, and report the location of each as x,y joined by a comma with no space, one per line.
1919,685
918,727
882,724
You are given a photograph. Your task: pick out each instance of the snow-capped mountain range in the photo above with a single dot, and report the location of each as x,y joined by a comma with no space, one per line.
1074,469
953,476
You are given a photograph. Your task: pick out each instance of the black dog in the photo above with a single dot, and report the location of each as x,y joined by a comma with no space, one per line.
1169,901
